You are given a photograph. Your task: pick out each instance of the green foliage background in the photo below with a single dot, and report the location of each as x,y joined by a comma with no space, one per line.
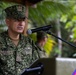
60,14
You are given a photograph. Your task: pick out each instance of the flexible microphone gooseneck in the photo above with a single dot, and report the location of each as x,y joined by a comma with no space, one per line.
44,28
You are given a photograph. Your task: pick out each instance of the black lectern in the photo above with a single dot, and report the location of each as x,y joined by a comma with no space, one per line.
43,66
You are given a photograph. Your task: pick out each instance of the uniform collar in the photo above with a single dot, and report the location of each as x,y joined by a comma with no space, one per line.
9,41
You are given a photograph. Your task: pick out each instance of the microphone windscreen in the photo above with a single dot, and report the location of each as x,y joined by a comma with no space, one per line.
29,31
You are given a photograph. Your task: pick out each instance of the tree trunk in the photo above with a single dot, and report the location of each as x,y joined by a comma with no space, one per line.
59,35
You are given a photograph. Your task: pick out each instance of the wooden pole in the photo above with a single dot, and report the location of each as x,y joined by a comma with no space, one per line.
26,14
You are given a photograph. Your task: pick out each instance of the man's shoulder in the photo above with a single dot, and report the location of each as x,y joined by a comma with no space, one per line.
2,35
2,40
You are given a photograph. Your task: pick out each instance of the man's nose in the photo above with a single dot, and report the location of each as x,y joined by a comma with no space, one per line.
21,23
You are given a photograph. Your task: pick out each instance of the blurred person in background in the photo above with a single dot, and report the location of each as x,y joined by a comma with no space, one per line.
42,38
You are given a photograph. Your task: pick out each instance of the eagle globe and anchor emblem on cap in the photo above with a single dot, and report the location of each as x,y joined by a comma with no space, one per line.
19,8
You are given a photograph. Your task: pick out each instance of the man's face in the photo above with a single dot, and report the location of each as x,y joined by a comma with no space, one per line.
15,26
45,40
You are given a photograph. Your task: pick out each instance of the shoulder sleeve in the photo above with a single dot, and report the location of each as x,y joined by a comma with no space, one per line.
2,41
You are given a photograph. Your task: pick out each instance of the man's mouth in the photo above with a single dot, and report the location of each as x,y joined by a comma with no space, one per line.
20,28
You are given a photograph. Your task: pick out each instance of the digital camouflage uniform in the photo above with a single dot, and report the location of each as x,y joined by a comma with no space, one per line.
14,59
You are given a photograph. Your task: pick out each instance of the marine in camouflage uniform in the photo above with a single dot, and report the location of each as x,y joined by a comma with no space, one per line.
14,59
41,41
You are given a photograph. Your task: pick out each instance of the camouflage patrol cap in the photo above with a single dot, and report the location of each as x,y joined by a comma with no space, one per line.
15,12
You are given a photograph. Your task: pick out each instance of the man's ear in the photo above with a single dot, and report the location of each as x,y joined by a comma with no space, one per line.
7,22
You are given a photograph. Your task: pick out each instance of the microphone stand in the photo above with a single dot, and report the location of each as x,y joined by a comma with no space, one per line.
60,38
37,70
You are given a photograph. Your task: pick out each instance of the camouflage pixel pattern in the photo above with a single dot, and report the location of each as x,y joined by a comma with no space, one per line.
15,12
41,51
14,59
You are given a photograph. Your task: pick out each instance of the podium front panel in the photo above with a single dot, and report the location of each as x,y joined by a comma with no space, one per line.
56,66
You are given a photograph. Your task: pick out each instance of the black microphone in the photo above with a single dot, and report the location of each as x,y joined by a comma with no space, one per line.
44,28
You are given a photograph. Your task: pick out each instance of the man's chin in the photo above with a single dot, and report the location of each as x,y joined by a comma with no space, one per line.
19,32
